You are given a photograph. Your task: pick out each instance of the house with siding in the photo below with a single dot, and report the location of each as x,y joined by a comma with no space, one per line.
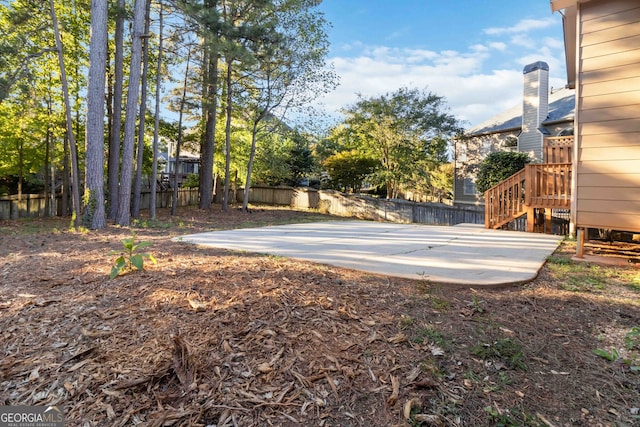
602,47
543,112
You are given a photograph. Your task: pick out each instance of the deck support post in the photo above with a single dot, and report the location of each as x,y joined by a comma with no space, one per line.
548,215
580,243
531,219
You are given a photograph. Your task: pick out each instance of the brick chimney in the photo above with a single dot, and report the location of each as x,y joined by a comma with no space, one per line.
535,108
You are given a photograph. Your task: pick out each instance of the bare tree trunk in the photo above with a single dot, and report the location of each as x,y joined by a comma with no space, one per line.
211,99
137,188
64,191
174,199
227,162
208,152
53,205
47,154
109,106
124,196
75,185
20,167
156,125
252,155
47,179
116,123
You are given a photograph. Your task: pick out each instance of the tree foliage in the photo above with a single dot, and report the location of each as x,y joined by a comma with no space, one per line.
300,160
254,62
348,169
31,92
498,166
406,131
441,181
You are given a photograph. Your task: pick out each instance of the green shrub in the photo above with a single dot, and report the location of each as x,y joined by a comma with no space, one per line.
191,181
498,166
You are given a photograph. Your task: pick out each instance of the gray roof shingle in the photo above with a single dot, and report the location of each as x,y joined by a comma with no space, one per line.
561,107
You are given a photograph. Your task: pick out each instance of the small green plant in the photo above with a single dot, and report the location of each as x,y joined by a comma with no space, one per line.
633,284
511,418
476,304
632,339
559,260
504,349
504,378
438,303
631,342
611,356
431,335
130,256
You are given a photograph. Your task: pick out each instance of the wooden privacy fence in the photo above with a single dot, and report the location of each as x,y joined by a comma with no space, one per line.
332,202
33,205
29,205
365,207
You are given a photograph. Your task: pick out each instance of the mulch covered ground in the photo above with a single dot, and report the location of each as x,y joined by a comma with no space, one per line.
210,337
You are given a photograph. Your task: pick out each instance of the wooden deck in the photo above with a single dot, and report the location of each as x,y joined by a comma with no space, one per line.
537,186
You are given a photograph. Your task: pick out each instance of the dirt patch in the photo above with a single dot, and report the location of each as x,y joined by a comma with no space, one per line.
210,337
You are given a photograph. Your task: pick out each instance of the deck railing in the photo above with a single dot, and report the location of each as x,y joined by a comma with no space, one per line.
557,149
505,201
540,185
549,185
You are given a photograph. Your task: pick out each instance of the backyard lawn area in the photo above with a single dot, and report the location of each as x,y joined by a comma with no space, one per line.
209,337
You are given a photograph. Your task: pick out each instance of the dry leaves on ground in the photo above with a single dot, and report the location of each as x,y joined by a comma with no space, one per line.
216,338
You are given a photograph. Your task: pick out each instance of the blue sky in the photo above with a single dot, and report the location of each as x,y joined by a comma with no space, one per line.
471,52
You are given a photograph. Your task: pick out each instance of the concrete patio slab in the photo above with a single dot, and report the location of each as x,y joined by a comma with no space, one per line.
465,254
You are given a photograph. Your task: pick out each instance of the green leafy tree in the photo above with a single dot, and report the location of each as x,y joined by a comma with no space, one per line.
300,160
31,89
21,133
205,16
498,166
270,166
441,181
405,131
348,169
24,27
289,72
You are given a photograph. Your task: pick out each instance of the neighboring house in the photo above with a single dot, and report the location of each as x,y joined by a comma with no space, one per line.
189,164
521,128
602,46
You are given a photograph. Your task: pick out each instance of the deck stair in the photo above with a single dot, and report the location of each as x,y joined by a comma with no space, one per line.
537,186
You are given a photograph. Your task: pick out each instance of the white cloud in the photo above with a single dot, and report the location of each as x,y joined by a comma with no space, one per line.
471,95
524,40
478,82
522,26
479,48
498,46
553,43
